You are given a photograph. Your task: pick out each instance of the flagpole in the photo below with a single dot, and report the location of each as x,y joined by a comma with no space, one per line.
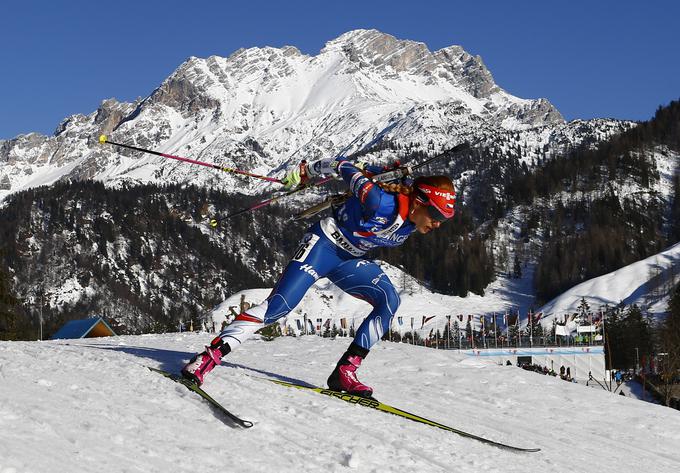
495,331
507,329
483,318
448,334
472,332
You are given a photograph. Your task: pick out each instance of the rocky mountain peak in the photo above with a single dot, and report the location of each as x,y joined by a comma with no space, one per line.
375,50
372,48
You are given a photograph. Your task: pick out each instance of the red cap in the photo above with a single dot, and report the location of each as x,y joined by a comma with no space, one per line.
439,202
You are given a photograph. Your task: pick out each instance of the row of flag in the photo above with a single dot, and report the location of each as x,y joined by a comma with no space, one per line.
508,319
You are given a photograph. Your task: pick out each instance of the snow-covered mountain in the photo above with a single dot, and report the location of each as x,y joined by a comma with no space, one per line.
92,406
264,108
647,283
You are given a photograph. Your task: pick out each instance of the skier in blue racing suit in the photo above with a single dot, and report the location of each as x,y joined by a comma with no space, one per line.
376,215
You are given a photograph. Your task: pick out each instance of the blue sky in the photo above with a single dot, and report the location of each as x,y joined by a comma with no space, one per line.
618,59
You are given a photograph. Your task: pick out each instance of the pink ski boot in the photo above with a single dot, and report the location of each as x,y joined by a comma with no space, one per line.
344,377
203,363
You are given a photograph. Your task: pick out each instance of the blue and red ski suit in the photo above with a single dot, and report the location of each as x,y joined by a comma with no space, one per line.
333,249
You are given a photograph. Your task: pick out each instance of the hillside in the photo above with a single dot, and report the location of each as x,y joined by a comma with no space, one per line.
92,406
648,283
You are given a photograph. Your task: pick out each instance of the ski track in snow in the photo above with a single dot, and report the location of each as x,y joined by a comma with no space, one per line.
92,406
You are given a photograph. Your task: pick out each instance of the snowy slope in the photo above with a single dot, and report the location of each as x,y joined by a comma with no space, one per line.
646,283
91,406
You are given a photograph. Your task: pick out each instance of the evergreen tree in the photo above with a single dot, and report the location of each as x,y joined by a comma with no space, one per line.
516,268
628,335
456,334
468,332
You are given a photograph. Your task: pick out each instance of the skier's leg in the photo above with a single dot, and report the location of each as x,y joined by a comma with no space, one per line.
313,260
365,280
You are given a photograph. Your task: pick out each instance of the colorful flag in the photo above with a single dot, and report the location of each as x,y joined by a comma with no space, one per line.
426,319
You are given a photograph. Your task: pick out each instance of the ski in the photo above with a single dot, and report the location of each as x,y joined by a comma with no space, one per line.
191,386
382,407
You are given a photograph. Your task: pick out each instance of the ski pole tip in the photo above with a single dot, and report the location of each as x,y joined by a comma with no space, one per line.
102,139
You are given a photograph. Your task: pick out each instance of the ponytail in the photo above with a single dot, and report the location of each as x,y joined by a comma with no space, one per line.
395,188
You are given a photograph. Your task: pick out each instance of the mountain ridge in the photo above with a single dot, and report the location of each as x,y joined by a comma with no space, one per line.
266,108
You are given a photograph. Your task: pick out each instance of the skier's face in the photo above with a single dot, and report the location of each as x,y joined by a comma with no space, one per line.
422,219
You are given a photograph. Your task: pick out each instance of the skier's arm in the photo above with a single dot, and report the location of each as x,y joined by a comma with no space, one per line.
361,186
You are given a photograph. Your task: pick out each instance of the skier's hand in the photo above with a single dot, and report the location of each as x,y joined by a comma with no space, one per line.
296,177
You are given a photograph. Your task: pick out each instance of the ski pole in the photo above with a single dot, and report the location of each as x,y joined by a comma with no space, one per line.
103,139
215,221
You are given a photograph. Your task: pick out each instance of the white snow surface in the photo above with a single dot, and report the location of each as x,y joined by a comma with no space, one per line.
90,405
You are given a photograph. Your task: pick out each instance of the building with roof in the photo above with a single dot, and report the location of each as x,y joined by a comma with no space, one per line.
85,328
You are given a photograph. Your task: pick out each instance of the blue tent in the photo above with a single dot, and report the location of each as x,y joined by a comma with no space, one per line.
86,328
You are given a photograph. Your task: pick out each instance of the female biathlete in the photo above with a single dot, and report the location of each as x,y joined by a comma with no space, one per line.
375,215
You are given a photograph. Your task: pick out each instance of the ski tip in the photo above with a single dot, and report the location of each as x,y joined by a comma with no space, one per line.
213,223
102,139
